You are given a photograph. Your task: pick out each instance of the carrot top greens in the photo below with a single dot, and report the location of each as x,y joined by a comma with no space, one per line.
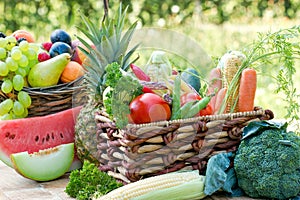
283,47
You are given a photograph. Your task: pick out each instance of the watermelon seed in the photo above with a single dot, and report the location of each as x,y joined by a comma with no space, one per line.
43,140
10,136
52,136
36,138
47,137
7,134
61,135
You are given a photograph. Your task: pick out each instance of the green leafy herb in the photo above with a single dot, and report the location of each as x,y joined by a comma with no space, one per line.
123,93
278,46
90,180
122,89
113,74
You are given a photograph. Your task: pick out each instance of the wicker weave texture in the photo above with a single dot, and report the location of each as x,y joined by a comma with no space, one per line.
49,100
140,151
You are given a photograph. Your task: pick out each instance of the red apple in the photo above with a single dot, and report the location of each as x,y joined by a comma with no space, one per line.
78,55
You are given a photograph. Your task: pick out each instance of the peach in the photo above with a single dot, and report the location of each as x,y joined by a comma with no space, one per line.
23,34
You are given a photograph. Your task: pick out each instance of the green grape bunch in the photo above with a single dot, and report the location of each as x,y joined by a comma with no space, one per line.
16,60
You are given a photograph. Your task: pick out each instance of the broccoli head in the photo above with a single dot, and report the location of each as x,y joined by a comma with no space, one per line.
267,162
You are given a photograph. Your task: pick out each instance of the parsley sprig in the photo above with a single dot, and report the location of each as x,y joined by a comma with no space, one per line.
85,182
123,93
123,88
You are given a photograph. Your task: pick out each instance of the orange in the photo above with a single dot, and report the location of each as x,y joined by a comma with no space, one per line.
23,34
72,71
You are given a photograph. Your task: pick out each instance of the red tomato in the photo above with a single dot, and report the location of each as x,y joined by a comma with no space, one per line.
192,97
148,107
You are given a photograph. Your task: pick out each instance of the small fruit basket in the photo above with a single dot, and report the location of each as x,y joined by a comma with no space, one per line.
49,100
38,79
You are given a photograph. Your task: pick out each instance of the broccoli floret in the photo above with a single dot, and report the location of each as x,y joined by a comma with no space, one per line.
267,164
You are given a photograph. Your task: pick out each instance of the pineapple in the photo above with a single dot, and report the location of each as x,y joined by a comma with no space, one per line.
110,46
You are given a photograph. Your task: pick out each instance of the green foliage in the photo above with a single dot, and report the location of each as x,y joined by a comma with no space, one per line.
123,93
267,162
89,180
113,75
43,15
122,89
274,55
278,47
110,46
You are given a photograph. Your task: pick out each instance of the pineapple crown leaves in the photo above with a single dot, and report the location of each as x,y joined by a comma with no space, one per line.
110,45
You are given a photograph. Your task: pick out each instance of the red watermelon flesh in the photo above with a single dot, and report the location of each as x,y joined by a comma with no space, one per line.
36,133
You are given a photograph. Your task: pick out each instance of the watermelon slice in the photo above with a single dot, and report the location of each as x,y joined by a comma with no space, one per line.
36,133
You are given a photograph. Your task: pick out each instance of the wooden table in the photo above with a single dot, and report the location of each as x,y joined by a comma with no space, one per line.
15,187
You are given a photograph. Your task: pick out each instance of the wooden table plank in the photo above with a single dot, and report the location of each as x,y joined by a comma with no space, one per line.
15,187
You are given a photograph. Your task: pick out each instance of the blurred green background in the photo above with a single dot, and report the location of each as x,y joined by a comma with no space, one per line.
216,25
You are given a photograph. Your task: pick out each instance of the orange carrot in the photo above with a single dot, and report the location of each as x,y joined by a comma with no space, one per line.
219,100
247,90
214,85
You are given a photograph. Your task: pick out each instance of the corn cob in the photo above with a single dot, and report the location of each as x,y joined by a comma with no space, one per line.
187,185
184,87
231,63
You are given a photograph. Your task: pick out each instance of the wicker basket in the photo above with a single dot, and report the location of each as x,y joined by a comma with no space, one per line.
145,150
53,99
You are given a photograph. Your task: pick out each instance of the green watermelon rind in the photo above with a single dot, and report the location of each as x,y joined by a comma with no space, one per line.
19,135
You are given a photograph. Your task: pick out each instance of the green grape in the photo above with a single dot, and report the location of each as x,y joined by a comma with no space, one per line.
27,69
15,48
11,64
3,42
18,82
24,46
16,54
33,62
11,42
21,71
6,116
25,113
3,69
2,53
24,99
31,54
18,108
6,86
13,115
23,62
6,106
34,46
